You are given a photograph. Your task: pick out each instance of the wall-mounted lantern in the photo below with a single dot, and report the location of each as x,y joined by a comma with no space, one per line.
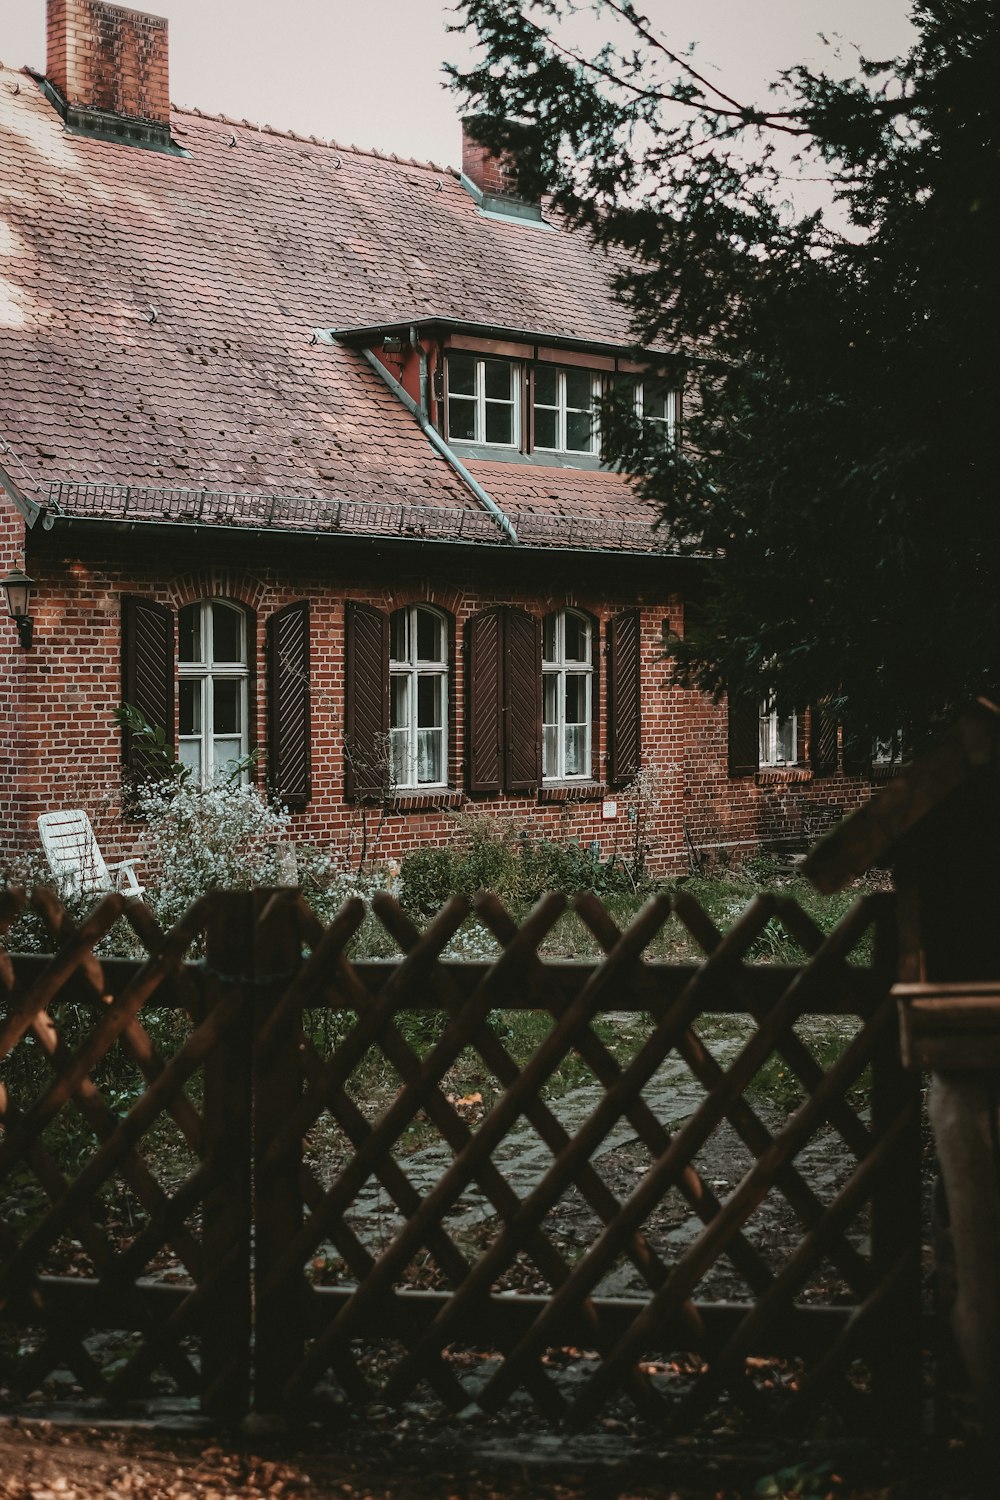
19,587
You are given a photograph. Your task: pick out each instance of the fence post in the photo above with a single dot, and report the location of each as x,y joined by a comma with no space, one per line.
897,1364
227,1114
278,1209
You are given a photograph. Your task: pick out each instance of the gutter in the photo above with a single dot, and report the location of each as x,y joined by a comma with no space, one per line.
368,333
98,526
504,522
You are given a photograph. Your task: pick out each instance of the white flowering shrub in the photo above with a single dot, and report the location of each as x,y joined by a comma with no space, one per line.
199,837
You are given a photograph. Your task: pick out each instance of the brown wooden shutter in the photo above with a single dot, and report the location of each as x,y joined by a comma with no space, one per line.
366,710
289,749
147,676
744,735
484,701
624,698
822,740
522,701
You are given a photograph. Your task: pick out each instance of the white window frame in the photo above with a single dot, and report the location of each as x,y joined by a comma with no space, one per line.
558,667
413,669
206,673
478,401
772,725
561,410
667,423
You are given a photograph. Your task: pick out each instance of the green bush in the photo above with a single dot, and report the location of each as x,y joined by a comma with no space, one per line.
494,855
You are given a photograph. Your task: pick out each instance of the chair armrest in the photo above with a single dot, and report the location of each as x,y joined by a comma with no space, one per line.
126,867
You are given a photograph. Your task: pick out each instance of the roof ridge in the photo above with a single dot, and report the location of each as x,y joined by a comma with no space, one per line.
312,140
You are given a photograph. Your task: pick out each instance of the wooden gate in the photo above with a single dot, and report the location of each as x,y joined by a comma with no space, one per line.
247,1226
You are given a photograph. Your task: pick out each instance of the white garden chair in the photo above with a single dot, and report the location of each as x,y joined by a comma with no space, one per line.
75,858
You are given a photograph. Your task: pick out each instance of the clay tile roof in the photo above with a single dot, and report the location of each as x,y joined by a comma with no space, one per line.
240,254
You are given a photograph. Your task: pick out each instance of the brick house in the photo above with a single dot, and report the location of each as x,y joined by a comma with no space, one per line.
297,447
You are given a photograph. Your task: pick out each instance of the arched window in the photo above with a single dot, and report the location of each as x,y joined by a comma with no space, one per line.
567,695
212,688
418,691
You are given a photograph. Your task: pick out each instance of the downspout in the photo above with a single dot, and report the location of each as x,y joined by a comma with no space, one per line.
504,522
425,379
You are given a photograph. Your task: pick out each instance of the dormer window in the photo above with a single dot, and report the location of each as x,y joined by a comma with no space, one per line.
657,405
484,400
565,416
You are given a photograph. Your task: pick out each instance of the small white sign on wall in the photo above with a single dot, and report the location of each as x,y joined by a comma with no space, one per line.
609,809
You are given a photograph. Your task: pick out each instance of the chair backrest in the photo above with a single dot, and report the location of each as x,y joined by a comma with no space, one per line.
72,852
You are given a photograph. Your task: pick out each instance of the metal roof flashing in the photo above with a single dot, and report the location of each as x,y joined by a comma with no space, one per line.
100,125
505,209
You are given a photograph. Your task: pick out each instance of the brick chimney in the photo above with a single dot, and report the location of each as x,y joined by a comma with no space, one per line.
494,174
108,66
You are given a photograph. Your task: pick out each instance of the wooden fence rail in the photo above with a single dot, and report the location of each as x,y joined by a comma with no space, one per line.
248,1220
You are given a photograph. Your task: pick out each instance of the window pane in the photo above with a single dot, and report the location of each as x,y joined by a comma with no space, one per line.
786,740
549,638
189,632
545,428
545,385
550,698
226,633
497,379
461,375
429,699
399,740
430,759
656,404
225,754
189,707
576,748
577,639
579,427
226,706
430,636
576,699
190,752
550,737
499,423
399,623
399,703
579,388
462,420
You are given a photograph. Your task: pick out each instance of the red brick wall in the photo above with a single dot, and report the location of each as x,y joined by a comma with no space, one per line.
69,749
14,663
106,57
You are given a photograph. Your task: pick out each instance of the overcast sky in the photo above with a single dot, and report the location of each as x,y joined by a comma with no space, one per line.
368,72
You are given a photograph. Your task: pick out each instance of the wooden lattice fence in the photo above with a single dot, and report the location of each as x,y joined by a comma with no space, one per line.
200,1196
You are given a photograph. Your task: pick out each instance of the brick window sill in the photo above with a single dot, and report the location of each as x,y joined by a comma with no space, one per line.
782,775
572,791
407,802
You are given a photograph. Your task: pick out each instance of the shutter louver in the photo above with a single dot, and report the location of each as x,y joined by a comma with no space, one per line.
147,678
366,714
744,735
822,740
522,701
289,749
484,635
624,698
